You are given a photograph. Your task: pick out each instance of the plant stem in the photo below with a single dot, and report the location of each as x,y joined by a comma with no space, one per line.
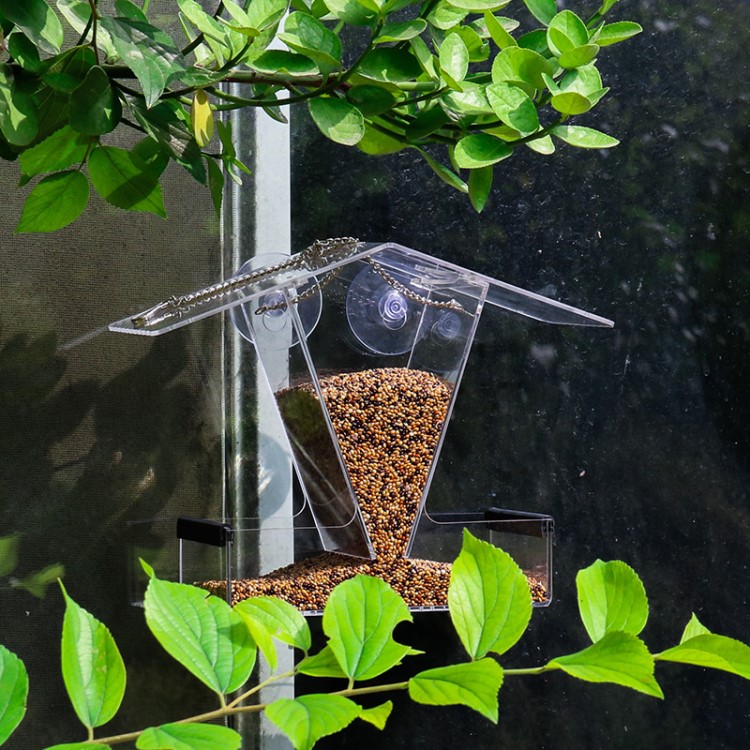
529,670
260,686
94,18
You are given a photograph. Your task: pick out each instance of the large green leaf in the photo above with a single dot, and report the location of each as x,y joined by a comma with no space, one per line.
577,135
498,32
377,143
338,120
454,57
14,688
619,658
514,107
542,10
201,632
92,667
612,33
308,718
521,66
352,12
571,103
370,100
565,32
322,664
401,31
308,36
611,597
19,117
474,684
281,619
471,101
481,150
189,737
710,650
37,20
390,64
64,148
94,106
125,180
77,13
359,619
265,14
584,80
283,61
578,56
54,202
488,597
148,52
8,553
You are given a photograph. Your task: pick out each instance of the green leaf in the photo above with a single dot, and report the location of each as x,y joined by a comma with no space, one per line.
352,12
481,150
189,737
94,107
488,596
201,632
514,107
575,58
308,718
426,122
619,658
260,633
130,10
370,100
377,143
479,6
446,16
64,148
265,14
611,597
543,145
305,34
454,57
401,31
613,33
359,619
37,583
711,651
282,61
585,80
693,628
25,53
542,10
445,174
322,664
565,32
125,180
378,715
606,6
471,101
55,202
480,184
79,746
576,135
499,34
338,120
92,667
77,13
215,184
37,20
9,553
521,66
390,64
571,103
475,685
19,119
148,52
14,689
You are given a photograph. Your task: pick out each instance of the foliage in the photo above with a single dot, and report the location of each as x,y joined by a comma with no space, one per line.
219,645
381,75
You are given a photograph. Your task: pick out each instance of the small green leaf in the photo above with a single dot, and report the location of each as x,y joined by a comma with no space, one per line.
92,667
543,145
576,135
693,628
479,6
611,597
542,10
499,34
481,150
308,718
711,651
19,117
454,57
613,33
201,632
445,174
37,20
55,202
94,107
125,180
79,746
619,658
390,64
488,597
401,31
578,56
370,100
480,184
282,620
378,715
571,103
8,553
38,582
475,685
565,32
359,619
521,66
514,107
322,664
305,34
585,80
352,12
261,634
446,16
377,143
282,61
338,120
189,737
14,689
64,148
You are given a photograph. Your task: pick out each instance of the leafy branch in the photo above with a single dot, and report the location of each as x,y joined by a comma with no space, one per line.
490,608
453,79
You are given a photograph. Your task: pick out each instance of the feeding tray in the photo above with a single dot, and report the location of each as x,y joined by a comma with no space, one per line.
376,338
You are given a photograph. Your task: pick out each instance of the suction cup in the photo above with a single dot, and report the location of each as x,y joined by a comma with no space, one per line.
267,319
382,318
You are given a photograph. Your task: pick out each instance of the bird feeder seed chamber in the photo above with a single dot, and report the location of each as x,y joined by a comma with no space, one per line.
373,341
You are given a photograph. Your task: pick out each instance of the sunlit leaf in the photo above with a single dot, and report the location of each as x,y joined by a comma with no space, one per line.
619,658
322,664
474,684
308,718
454,57
542,10
488,597
401,31
543,145
693,628
565,32
92,667
189,737
481,150
571,103
37,20
14,689
54,202
577,135
446,16
79,746
19,117
378,715
338,120
612,33
578,56
351,12
514,107
611,597
77,13
310,37
359,619
499,34
711,651
521,66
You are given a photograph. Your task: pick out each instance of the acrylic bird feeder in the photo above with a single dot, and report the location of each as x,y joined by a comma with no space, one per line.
377,337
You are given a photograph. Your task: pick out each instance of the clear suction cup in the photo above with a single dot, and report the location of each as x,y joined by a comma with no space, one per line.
383,318
267,319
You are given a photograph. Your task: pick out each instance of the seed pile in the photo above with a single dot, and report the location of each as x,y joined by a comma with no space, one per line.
388,423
